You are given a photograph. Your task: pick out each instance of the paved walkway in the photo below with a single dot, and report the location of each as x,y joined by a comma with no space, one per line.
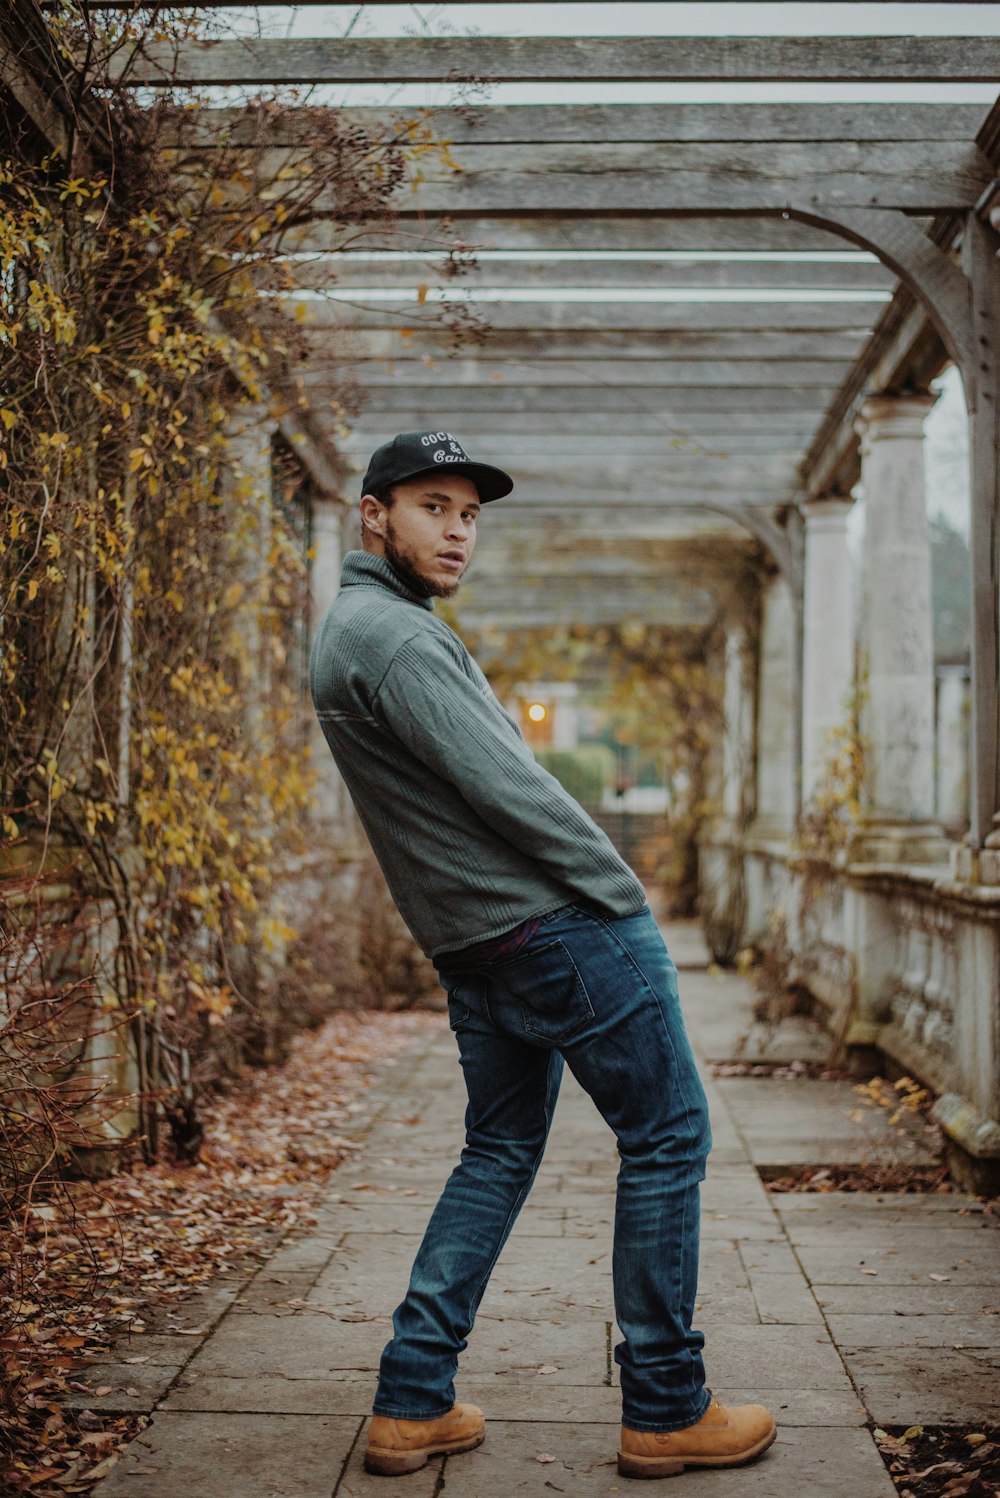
829,1308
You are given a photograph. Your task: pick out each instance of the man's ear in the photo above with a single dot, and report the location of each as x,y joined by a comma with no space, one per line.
373,515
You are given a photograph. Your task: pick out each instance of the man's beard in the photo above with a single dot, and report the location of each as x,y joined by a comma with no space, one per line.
410,575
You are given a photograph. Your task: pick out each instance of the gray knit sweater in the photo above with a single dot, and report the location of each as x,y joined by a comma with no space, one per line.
472,834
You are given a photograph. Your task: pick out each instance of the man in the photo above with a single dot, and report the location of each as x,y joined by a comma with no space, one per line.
548,953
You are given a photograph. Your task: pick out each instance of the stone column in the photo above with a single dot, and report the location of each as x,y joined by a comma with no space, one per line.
736,741
329,529
952,747
775,800
250,485
896,637
828,632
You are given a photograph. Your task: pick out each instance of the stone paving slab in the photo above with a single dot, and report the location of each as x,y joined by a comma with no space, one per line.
789,1357
899,1259
279,1383
315,1346
686,942
949,1209
784,1299
817,1461
916,1331
504,1400
719,1010
129,1387
921,1299
934,1386
807,1121
213,1455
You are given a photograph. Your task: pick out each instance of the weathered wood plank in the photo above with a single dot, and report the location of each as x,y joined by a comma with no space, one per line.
559,343
493,124
921,177
473,399
695,473
833,461
980,259
561,446
627,231
797,373
498,430
542,59
658,491
708,316
39,108
572,567
346,271
676,607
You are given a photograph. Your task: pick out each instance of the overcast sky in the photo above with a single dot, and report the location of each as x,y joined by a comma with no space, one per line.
641,18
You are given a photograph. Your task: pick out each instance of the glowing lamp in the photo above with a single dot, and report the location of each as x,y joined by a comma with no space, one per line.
536,712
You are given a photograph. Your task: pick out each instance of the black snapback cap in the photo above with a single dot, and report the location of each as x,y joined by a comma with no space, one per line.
413,453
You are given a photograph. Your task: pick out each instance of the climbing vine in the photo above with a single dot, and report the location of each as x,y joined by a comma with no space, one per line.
152,741
831,815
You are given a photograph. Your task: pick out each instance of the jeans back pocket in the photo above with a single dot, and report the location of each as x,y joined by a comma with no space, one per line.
543,988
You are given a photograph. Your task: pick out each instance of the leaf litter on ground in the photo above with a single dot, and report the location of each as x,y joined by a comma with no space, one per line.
926,1461
103,1259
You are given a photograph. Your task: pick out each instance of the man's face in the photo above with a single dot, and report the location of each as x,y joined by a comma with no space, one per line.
429,532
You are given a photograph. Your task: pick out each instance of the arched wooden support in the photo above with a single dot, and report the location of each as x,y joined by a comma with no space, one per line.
980,251
922,266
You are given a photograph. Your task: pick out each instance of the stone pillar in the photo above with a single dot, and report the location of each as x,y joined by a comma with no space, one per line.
896,637
329,529
737,746
952,747
828,633
775,799
250,482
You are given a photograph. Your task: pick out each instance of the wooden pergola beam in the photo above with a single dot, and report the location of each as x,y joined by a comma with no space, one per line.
498,428
389,345
347,271
811,317
36,103
428,405
532,124
565,446
542,59
821,376
627,231
534,504
694,177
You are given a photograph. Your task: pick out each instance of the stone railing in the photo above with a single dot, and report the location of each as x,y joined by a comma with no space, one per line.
903,962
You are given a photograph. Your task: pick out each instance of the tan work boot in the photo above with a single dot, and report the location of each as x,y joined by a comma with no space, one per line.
396,1446
722,1438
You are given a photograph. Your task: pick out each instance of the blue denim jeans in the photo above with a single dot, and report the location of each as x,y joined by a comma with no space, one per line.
601,996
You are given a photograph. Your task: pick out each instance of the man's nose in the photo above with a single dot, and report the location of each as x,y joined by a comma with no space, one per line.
458,528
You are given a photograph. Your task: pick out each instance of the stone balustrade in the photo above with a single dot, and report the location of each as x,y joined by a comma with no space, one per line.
903,964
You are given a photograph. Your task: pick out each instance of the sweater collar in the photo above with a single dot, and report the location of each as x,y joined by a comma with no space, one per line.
363,569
